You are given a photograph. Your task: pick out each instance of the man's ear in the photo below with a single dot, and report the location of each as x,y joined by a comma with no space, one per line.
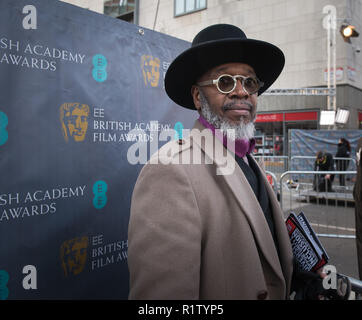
195,92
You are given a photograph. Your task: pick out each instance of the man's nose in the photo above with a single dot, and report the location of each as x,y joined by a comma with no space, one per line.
239,90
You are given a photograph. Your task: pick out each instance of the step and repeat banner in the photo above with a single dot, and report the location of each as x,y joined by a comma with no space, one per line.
81,93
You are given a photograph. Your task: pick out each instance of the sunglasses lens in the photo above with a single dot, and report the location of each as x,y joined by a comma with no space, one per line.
226,83
251,85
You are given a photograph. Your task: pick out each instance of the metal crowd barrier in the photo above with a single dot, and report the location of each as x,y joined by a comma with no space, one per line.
356,285
301,163
273,181
323,208
331,214
310,162
275,164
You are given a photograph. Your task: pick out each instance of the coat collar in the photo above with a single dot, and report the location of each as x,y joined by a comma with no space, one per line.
249,204
241,147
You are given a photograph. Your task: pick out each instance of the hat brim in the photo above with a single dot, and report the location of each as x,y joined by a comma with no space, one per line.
266,59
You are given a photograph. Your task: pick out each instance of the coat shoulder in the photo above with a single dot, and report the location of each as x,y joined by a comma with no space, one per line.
171,151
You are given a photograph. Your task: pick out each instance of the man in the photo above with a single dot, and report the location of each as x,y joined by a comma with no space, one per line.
357,195
324,162
197,231
343,151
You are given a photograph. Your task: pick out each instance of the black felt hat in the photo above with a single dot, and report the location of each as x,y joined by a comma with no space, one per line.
215,45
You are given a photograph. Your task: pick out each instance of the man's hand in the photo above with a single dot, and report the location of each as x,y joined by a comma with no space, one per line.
341,292
321,272
309,286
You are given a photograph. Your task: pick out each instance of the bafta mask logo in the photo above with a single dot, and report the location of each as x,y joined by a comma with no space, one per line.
151,70
74,120
73,255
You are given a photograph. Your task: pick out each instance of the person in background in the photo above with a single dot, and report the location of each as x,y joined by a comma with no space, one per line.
324,162
343,151
278,146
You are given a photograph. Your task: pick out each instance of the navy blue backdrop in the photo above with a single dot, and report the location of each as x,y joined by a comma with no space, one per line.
74,84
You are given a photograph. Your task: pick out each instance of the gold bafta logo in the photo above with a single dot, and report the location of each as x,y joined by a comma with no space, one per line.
151,70
74,120
73,255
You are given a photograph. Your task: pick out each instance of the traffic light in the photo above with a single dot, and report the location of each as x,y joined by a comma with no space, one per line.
348,31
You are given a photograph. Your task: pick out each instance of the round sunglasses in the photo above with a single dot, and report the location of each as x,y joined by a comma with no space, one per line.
227,83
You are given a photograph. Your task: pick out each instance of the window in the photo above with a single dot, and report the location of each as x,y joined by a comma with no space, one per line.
187,6
121,9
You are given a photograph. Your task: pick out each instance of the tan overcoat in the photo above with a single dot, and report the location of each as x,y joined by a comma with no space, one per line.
195,233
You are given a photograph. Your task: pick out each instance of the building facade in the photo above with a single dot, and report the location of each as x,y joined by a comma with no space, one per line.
120,9
299,28
93,5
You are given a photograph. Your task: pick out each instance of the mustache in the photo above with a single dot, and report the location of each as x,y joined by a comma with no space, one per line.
233,105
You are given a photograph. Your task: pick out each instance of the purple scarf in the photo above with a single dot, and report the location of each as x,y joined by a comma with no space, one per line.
242,146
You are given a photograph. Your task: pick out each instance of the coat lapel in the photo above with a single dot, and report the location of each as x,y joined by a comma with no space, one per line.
249,203
285,248
263,195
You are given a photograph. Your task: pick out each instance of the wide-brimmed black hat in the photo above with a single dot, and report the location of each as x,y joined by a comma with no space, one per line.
215,45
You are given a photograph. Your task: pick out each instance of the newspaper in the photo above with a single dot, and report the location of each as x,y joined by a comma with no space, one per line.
308,251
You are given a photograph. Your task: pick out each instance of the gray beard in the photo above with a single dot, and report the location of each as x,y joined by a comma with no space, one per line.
232,131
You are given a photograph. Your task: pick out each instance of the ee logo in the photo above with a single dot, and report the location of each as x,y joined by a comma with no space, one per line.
99,71
4,291
29,281
100,198
3,124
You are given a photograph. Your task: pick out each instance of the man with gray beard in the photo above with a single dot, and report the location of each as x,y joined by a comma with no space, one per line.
236,131
196,231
